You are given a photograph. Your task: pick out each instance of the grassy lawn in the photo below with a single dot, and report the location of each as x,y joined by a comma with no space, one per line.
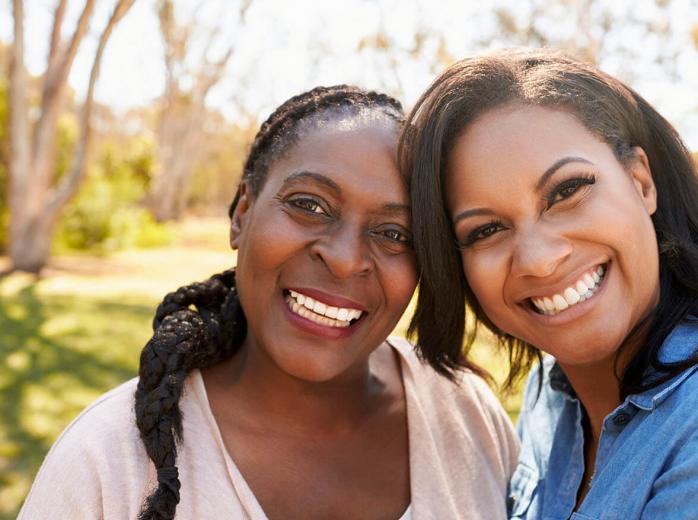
77,332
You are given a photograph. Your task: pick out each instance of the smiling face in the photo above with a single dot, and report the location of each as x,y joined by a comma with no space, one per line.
325,267
556,237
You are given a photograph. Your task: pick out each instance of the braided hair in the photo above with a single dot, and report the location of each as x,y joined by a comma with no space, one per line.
202,324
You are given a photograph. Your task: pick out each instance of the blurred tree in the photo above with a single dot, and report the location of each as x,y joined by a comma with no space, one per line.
183,112
594,31
218,169
4,161
36,193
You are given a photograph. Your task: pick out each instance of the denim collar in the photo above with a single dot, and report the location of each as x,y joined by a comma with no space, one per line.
679,345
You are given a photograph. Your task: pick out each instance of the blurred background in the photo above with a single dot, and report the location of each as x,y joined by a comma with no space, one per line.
124,125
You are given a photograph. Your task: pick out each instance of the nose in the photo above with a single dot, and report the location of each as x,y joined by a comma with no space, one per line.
539,252
344,251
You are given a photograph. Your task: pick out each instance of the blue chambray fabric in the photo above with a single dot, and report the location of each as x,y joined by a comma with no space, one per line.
647,459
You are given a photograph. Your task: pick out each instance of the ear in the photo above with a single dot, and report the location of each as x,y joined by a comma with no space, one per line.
642,179
237,220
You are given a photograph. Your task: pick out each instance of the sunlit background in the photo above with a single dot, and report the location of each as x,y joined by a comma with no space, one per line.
182,87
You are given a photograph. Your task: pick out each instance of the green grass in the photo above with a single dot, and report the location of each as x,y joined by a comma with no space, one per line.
60,352
69,337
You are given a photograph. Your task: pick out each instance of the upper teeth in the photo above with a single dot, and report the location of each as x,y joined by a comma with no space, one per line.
582,290
339,316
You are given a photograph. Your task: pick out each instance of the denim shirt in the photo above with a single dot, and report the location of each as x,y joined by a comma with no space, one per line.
647,458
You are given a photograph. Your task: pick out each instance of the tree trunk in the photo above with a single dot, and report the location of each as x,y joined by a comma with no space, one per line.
34,201
30,244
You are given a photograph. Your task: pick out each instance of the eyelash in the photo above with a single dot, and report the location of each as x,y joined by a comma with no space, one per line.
574,184
403,238
302,204
477,233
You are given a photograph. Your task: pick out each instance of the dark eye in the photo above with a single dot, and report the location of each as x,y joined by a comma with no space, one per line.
567,188
483,232
393,239
396,235
309,205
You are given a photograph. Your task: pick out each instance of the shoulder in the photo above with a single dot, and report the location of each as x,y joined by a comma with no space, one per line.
463,407
110,418
467,390
97,455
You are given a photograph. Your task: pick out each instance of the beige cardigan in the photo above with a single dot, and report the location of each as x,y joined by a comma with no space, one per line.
462,450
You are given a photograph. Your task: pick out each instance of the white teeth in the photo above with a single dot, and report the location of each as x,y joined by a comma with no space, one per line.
581,287
319,307
589,281
320,312
582,290
560,303
571,296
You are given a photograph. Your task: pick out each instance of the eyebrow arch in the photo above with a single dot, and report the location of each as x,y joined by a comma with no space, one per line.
397,208
539,185
555,167
471,213
316,177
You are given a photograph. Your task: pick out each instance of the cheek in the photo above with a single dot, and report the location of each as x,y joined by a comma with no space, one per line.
485,276
399,278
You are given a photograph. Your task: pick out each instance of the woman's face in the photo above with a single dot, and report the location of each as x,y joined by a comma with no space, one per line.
325,266
556,238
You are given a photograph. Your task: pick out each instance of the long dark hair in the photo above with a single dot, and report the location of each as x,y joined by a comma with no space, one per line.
202,324
609,109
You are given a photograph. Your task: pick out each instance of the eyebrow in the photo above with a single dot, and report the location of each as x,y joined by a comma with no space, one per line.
556,166
539,185
316,177
397,208
391,208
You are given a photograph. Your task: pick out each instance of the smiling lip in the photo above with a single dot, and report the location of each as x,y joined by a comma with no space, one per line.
328,299
574,311
318,324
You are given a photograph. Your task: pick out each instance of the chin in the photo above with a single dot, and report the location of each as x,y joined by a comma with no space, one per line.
582,352
312,371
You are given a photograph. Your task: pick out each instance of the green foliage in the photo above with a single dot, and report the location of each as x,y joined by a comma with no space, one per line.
4,162
105,215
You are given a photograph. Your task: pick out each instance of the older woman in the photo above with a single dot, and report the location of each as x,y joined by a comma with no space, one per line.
561,210
271,391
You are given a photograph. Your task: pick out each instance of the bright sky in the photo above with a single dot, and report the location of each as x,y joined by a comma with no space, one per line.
289,46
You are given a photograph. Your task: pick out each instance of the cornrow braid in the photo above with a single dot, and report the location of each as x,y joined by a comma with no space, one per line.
281,129
202,324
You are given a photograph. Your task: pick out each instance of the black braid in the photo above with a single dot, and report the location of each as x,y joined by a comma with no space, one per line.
202,324
185,339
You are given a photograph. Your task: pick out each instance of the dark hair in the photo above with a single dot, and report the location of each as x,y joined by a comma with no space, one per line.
609,109
202,324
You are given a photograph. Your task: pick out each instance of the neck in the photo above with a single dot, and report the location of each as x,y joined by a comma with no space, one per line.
597,384
598,390
266,396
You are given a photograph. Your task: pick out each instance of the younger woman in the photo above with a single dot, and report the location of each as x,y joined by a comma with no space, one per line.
271,391
565,208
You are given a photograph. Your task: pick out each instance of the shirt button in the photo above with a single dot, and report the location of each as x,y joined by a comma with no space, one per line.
621,419
511,501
